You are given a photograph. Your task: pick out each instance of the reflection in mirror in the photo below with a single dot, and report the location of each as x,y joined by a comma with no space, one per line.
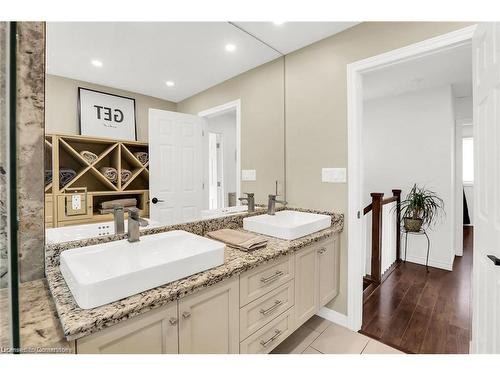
162,119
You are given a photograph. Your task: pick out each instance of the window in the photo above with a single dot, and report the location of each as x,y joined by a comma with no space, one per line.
468,160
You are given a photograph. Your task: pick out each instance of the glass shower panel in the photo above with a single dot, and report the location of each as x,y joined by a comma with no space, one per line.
9,334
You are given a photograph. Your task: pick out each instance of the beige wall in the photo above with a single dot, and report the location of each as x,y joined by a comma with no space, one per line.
61,110
262,123
316,113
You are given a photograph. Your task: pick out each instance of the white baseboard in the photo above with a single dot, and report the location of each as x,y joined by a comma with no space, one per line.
432,262
333,316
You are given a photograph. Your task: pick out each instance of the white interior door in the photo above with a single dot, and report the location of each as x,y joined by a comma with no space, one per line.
213,172
176,170
486,275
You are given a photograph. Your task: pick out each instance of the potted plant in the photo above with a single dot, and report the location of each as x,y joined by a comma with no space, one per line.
420,207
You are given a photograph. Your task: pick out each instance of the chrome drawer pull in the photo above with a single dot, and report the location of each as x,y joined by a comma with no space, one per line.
277,333
322,250
186,314
277,303
173,321
272,277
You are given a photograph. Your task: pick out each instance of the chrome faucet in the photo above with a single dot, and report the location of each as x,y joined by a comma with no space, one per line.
118,219
271,204
250,201
134,222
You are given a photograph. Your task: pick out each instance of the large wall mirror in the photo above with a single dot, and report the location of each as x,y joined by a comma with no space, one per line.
173,120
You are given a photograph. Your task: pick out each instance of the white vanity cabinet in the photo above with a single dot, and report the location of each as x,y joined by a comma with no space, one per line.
209,320
252,313
154,332
204,322
316,277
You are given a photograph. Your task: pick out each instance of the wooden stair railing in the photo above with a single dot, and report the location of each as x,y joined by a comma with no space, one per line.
375,207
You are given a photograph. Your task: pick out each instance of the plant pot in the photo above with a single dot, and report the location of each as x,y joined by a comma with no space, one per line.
412,225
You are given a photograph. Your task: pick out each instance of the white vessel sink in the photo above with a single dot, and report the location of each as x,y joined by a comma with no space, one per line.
104,273
287,225
84,231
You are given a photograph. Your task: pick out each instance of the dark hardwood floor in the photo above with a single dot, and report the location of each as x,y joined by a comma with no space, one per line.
422,312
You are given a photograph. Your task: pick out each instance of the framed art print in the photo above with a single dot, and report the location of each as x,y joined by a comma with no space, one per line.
106,115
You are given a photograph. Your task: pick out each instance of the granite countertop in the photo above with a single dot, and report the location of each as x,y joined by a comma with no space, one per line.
40,329
77,322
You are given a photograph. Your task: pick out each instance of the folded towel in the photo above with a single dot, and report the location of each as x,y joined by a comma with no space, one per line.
104,211
48,176
125,202
110,173
126,174
143,157
244,241
65,176
89,156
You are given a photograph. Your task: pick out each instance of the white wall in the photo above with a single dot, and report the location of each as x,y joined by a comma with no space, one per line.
225,125
467,131
463,115
410,139
463,108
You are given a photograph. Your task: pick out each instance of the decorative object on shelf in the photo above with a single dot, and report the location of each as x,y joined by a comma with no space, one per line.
65,176
125,175
110,173
107,206
125,202
106,115
421,207
89,156
143,157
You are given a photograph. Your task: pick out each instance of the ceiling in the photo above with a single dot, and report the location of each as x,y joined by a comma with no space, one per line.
141,56
291,36
450,67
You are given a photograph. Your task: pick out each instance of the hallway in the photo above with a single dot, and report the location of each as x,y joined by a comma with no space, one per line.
420,312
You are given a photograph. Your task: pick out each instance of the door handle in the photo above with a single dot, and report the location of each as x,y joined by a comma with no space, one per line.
156,200
495,260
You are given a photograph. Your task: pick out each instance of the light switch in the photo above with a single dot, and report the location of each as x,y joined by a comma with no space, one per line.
334,175
248,175
76,202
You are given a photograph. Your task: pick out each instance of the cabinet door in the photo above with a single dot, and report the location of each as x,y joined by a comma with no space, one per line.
209,320
328,256
154,332
306,284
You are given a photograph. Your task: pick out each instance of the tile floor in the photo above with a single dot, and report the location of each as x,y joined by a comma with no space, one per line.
319,336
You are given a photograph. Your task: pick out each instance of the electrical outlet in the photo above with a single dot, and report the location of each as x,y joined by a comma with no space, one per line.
76,202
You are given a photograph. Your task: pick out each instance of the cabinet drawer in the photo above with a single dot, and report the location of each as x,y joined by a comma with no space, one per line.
269,336
261,311
263,279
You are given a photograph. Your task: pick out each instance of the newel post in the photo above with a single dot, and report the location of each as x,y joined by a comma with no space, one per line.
376,235
397,193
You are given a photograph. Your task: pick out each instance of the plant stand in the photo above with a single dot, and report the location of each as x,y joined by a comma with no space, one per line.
419,233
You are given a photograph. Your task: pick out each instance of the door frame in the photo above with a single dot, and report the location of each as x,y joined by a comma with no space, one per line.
218,110
355,70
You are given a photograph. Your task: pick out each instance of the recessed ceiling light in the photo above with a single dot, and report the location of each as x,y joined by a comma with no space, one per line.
169,83
278,23
230,47
97,63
